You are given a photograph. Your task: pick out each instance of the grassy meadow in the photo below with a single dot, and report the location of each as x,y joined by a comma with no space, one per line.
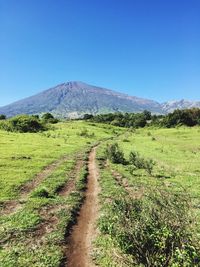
31,232
176,155
34,223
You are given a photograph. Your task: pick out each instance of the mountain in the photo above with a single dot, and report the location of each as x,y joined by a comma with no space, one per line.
73,99
181,104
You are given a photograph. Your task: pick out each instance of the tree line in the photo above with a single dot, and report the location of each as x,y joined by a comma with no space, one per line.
186,117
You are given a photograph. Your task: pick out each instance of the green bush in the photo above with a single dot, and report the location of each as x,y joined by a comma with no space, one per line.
139,162
85,133
2,117
114,154
155,230
23,124
49,118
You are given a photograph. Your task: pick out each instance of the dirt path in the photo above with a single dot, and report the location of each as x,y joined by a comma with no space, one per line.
80,241
70,185
12,206
48,214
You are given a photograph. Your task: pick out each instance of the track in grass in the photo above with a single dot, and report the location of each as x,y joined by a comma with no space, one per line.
12,206
49,213
79,242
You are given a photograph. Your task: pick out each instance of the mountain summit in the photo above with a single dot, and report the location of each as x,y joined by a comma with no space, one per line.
73,99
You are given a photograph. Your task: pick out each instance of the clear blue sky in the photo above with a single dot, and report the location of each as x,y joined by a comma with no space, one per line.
147,48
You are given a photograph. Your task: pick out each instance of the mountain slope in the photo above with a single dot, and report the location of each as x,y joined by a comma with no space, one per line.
170,106
73,99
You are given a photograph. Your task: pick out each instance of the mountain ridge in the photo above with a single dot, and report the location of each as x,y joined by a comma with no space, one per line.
75,98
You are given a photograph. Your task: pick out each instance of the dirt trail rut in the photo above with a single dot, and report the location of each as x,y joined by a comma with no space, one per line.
14,205
79,243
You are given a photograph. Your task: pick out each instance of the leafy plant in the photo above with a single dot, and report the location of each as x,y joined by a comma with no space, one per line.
114,153
2,117
49,118
23,124
139,162
85,133
155,231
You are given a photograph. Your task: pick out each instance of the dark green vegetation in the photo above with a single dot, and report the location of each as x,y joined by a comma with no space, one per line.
2,117
149,197
23,124
187,117
27,124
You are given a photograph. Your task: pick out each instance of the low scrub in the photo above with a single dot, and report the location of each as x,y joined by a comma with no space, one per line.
139,162
85,133
49,118
23,124
155,230
115,154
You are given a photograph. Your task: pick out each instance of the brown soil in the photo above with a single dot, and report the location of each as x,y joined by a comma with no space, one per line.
80,241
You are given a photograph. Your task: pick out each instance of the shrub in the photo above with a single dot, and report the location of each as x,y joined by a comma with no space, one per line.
49,118
41,193
87,116
114,153
23,124
139,162
2,117
155,230
84,132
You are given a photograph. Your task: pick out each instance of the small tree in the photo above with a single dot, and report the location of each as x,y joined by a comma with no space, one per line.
139,162
114,153
49,118
2,117
87,116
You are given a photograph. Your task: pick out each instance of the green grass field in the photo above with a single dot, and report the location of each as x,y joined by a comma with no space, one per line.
35,223
23,156
176,153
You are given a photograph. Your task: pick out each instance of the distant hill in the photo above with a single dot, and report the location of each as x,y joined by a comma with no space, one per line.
73,99
181,104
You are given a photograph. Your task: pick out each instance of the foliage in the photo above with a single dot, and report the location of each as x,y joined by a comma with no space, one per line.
139,162
23,124
155,230
87,116
49,118
41,192
188,117
114,153
124,119
2,117
85,133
